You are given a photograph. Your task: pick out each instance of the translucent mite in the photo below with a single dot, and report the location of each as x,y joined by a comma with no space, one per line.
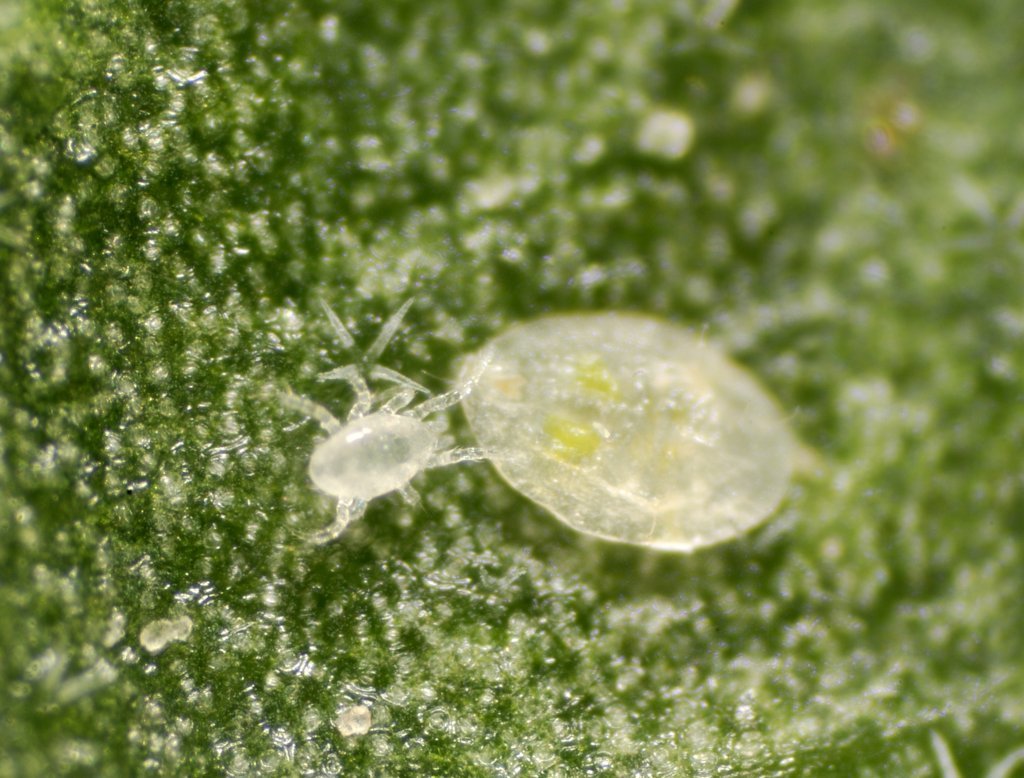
630,428
383,443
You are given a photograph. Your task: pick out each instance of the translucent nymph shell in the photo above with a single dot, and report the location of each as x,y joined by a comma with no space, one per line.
630,428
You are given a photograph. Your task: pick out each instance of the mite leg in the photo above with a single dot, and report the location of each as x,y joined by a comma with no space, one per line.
398,400
454,455
350,374
456,395
311,409
410,495
348,511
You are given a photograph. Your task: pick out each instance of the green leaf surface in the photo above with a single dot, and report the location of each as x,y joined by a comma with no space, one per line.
182,182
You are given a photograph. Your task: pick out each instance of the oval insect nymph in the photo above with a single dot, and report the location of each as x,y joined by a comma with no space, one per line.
630,428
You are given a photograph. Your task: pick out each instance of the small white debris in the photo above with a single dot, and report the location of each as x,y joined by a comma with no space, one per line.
666,133
353,720
717,12
493,192
751,94
92,680
537,41
115,629
590,149
329,29
156,635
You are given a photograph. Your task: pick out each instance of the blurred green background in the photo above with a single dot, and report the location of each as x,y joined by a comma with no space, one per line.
832,190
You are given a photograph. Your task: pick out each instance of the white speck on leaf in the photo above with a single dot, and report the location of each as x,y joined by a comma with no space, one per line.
353,720
666,133
157,635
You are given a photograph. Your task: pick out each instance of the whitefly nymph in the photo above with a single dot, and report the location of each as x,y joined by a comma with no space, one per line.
385,441
630,428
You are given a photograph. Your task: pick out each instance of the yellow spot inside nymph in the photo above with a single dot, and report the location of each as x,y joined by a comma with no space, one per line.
509,386
571,439
594,377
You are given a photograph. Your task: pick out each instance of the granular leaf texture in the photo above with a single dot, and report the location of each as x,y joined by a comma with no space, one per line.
830,191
